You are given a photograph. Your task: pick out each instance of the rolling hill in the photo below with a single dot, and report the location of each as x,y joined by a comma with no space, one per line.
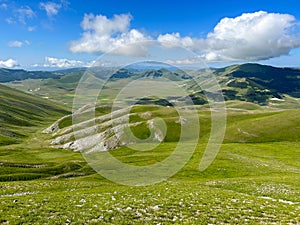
8,75
254,177
254,83
277,80
22,114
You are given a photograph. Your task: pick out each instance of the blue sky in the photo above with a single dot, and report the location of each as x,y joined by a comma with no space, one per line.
66,33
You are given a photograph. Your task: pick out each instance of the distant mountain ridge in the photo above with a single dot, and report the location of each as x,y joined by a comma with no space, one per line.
253,82
246,82
151,74
285,80
7,75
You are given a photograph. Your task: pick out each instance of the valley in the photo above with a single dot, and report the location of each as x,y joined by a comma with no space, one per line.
255,178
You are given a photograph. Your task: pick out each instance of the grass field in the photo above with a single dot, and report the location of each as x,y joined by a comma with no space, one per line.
22,114
255,178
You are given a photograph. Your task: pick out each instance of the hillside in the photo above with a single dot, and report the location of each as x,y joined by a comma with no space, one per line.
258,83
254,83
246,123
254,177
8,75
151,74
22,114
281,80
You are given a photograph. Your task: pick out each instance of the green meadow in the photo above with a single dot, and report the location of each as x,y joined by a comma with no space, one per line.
255,178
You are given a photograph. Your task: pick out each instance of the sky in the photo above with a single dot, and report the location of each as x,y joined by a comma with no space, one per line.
60,34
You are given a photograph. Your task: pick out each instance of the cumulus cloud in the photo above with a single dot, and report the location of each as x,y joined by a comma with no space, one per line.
174,39
10,63
102,34
63,63
251,36
248,37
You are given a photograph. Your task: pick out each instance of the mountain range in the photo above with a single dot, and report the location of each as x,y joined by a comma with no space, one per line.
249,82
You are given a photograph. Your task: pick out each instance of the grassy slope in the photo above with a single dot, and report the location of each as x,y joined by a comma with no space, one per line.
61,89
246,82
254,83
22,114
254,179
24,153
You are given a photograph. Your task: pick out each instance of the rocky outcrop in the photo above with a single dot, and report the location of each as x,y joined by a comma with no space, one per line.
102,133
55,126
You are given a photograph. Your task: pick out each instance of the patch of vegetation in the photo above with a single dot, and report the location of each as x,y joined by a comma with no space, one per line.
153,101
22,114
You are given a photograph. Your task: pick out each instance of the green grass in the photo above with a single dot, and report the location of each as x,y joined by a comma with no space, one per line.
255,178
39,162
21,114
92,201
264,127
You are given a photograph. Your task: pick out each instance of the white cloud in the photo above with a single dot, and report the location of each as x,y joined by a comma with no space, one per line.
51,8
102,34
63,63
15,44
251,36
10,63
24,13
186,61
175,40
248,37
18,43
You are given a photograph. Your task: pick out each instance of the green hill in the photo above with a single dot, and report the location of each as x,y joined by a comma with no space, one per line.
254,178
247,82
7,75
22,114
258,83
25,153
251,82
151,74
